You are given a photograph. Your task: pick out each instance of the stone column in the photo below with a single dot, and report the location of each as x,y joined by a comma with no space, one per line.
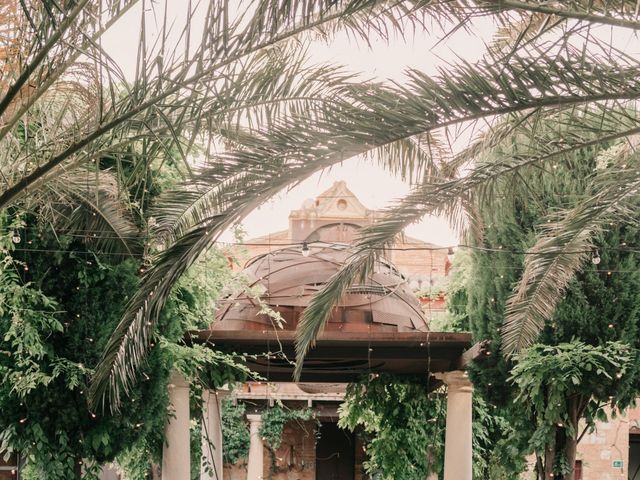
212,463
256,449
176,455
457,444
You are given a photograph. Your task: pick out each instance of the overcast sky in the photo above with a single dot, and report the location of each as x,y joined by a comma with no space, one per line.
373,186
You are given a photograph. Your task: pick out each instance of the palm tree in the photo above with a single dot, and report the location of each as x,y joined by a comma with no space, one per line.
246,85
584,115
79,138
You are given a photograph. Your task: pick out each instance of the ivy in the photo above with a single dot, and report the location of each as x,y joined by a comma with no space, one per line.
235,432
390,410
274,420
57,312
393,411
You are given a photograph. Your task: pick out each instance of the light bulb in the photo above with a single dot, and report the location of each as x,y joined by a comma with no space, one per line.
305,249
596,258
450,254
15,237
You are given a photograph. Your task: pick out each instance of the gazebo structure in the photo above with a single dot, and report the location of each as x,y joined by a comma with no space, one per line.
377,327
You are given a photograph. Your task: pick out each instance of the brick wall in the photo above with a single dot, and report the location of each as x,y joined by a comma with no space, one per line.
294,460
598,450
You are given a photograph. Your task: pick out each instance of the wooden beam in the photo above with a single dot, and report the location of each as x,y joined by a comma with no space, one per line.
477,351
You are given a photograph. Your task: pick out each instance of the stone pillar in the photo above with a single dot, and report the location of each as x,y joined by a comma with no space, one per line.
457,444
176,455
256,449
212,463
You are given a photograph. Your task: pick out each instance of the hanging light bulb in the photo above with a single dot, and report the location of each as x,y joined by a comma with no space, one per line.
15,237
595,259
450,254
305,249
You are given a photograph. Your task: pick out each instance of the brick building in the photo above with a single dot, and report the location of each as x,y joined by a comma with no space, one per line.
336,216
611,451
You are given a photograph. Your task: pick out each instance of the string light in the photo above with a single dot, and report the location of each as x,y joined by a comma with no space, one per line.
596,258
500,249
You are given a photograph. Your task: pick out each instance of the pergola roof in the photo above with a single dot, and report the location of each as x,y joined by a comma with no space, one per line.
346,356
377,327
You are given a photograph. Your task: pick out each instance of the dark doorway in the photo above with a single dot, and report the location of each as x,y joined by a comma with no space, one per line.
634,453
577,473
335,453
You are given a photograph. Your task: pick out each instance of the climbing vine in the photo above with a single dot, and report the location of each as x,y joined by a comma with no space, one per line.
388,410
235,432
57,312
274,420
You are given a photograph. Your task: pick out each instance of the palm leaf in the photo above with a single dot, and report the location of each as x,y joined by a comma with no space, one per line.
294,148
564,245
99,212
453,198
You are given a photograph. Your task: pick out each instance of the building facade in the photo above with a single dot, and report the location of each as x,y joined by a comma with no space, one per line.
336,217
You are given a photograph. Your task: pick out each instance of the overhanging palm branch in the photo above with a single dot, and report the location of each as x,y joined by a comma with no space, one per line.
90,205
572,131
379,115
174,88
564,244
618,13
184,78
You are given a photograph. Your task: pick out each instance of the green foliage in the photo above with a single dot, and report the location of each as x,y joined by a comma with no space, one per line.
598,307
274,420
496,456
392,412
57,311
547,377
235,432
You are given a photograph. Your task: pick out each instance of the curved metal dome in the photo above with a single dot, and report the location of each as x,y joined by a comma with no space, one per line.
384,303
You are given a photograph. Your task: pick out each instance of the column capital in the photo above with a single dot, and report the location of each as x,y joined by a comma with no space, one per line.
456,380
254,418
176,380
222,393
210,394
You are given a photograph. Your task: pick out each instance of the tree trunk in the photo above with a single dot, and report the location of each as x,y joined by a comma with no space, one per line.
156,474
571,443
549,460
539,468
564,443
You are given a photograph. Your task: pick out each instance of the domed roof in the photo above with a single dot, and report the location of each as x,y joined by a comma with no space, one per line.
288,280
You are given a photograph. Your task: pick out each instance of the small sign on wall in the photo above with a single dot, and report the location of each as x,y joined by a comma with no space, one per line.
617,464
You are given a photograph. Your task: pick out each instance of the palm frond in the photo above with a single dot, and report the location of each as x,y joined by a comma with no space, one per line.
230,202
287,147
617,13
564,245
415,158
98,212
452,199
359,266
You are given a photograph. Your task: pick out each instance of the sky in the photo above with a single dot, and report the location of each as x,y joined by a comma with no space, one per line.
382,60
375,187
386,61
